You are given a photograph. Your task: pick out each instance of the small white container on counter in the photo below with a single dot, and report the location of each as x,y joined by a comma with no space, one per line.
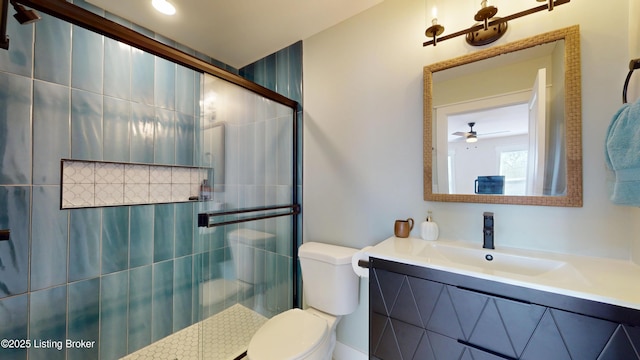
429,229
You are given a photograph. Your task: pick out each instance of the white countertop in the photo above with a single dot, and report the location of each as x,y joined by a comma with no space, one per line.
605,280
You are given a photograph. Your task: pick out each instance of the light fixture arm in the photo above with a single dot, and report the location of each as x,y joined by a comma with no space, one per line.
497,21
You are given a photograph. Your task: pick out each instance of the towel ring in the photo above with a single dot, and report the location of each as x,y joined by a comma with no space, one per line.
633,64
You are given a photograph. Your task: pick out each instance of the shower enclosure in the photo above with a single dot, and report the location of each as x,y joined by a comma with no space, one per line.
251,218
186,277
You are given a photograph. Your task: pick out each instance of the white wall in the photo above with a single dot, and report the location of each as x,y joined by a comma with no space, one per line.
363,134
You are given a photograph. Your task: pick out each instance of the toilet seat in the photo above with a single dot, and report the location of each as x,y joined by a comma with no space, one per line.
292,334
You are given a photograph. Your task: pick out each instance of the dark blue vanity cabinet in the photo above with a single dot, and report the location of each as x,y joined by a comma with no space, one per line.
426,314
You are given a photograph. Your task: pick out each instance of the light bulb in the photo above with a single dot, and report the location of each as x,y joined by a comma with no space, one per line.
164,7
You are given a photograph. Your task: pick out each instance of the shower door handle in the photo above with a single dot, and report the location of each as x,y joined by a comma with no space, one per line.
5,234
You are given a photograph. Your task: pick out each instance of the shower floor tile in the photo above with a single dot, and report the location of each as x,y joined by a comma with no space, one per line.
223,336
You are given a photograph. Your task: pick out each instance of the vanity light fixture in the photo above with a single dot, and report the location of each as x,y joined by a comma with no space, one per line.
164,7
490,28
487,34
434,30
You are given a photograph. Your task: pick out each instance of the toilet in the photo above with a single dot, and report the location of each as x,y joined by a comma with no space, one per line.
247,252
245,245
331,290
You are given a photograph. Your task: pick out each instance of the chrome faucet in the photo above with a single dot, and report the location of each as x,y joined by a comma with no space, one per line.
487,231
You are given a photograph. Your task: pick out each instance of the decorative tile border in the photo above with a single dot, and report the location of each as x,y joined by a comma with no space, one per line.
97,184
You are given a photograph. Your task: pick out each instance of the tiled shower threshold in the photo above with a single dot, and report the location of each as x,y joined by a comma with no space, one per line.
223,336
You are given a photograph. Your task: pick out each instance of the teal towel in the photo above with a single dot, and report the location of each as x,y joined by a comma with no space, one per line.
622,155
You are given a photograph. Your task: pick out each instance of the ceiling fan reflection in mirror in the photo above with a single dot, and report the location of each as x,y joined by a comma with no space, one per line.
471,136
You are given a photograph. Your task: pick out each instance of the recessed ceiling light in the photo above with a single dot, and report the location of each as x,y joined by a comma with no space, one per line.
164,7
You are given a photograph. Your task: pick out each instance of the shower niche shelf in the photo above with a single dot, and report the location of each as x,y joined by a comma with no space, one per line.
86,184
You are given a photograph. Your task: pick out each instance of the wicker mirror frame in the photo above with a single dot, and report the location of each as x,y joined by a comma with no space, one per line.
573,121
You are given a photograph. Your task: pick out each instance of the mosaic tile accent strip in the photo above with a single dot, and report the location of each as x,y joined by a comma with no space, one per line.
225,336
97,184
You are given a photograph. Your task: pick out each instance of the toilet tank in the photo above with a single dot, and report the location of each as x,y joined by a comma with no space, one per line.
329,283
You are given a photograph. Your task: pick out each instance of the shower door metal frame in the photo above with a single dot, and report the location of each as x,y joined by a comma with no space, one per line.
78,16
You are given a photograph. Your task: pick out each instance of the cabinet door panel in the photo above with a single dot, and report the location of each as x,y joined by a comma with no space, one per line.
546,342
387,284
468,306
444,318
376,300
377,325
501,325
622,345
406,308
387,346
434,346
426,294
584,336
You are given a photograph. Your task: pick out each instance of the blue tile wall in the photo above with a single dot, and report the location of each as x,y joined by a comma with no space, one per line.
86,60
115,239
113,314
182,292
164,145
184,229
282,73
116,118
19,58
117,69
185,139
165,84
141,235
51,131
163,236
52,57
48,323
83,317
121,276
13,317
49,238
142,77
86,125
185,91
14,254
142,133
162,305
84,243
15,129
140,316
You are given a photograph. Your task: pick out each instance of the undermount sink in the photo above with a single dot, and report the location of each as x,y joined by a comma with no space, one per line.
493,261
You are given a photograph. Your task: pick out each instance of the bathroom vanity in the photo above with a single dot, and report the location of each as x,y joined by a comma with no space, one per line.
454,300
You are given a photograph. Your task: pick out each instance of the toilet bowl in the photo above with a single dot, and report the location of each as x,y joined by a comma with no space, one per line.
293,334
330,289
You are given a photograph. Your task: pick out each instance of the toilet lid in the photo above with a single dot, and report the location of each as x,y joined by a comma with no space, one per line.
289,335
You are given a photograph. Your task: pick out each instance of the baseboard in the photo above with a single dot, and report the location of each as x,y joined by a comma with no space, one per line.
345,352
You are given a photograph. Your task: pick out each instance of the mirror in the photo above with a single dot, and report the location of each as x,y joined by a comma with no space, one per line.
521,103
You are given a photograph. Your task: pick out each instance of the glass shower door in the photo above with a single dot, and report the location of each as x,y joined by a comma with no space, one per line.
246,216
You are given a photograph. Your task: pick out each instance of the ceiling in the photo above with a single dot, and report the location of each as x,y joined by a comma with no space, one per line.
238,32
495,122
